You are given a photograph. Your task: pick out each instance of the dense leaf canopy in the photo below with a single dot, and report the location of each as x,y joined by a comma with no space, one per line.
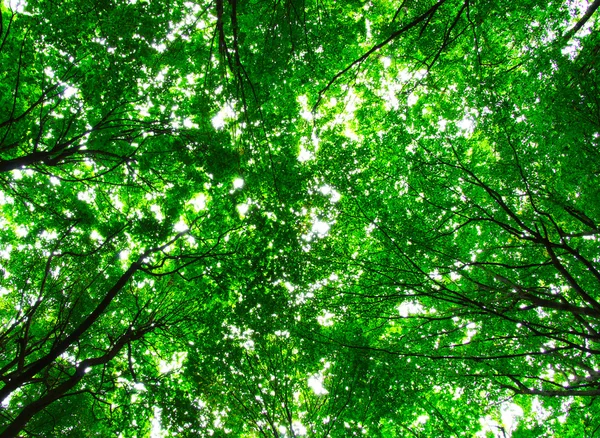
299,218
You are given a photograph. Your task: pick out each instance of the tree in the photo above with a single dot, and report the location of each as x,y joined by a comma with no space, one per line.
95,247
298,218
475,225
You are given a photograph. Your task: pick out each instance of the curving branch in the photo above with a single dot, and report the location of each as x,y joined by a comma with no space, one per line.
425,17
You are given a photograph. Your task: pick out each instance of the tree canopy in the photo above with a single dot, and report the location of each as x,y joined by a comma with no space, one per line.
299,218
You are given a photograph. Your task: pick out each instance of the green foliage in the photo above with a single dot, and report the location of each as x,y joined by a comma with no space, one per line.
296,218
